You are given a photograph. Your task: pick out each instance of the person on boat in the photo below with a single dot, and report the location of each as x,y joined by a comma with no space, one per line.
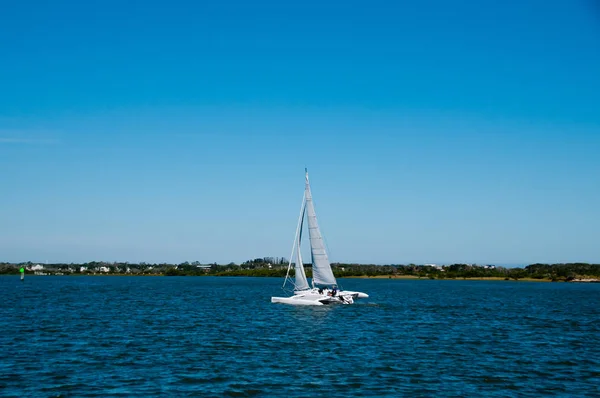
320,290
334,291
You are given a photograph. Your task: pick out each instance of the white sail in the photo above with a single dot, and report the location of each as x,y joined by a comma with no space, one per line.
301,283
322,274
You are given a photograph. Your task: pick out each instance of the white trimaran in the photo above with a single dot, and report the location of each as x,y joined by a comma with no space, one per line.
323,288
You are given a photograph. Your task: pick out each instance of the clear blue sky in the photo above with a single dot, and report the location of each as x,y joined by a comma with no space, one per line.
434,131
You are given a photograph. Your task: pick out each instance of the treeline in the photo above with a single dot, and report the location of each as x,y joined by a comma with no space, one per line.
566,272
277,267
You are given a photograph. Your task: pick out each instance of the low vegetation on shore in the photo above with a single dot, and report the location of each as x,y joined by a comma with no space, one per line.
277,267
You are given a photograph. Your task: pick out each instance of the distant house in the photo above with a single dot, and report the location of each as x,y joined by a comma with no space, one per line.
37,267
83,269
205,268
103,269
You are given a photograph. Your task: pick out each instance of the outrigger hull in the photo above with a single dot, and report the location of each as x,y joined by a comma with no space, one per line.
354,295
295,301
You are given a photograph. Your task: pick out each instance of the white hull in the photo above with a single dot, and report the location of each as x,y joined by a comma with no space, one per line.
295,301
315,297
354,295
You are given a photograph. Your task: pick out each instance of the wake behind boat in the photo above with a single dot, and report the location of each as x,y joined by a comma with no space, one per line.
323,289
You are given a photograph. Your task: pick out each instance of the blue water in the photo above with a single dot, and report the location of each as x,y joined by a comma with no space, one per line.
206,336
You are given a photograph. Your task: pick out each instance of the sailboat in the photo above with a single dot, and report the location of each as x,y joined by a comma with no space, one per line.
323,288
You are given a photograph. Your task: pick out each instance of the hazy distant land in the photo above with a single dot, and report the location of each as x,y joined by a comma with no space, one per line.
277,267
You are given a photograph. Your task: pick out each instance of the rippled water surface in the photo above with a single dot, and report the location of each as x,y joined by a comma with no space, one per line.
211,336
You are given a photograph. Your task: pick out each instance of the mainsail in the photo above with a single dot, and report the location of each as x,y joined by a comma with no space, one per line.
321,269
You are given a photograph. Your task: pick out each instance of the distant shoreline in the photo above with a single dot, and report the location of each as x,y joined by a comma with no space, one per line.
490,278
396,277
279,268
483,278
